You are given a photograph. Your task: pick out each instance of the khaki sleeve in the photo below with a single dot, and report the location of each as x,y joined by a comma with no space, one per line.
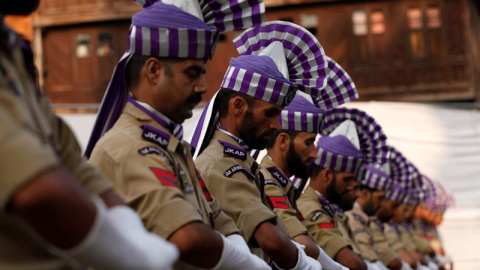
407,240
362,238
68,149
422,243
285,211
393,238
22,155
385,253
237,195
147,183
322,227
223,223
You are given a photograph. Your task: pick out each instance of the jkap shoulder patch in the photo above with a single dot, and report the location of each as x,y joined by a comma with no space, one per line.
238,168
233,150
166,178
327,206
155,136
278,175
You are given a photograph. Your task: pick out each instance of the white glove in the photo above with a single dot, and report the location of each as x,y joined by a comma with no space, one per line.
304,262
327,262
406,266
238,240
381,266
422,267
371,266
236,257
118,240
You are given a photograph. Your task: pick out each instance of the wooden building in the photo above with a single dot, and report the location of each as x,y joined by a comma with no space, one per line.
397,50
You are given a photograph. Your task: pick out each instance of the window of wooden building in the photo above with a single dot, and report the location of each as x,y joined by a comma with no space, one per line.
369,29
424,31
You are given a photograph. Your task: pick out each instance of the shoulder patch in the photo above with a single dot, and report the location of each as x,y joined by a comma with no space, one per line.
153,150
300,216
328,225
166,178
272,182
278,202
327,206
359,218
155,136
358,230
238,168
316,215
233,150
278,175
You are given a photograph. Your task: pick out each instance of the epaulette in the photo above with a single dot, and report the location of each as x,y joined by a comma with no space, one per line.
278,175
358,230
238,168
379,223
156,136
359,218
339,211
233,150
327,206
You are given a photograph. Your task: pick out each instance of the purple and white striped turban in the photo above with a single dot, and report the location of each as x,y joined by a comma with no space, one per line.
404,172
298,57
376,177
396,193
184,29
301,115
338,153
372,141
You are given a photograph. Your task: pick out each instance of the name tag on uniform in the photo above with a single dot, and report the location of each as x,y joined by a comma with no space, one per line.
238,168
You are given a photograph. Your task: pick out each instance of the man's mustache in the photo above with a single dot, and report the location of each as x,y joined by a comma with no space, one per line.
195,98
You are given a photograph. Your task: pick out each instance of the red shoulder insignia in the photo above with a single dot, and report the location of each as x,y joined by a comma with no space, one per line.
279,202
300,216
206,193
327,225
165,177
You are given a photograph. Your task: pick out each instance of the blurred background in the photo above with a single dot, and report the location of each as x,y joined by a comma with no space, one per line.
416,64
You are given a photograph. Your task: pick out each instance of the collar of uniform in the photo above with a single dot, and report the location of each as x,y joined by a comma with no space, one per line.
357,209
326,204
142,117
268,162
221,136
239,141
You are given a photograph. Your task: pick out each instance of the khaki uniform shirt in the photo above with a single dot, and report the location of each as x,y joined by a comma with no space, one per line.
154,173
385,253
319,217
234,178
392,234
32,140
406,238
416,235
281,194
361,233
342,221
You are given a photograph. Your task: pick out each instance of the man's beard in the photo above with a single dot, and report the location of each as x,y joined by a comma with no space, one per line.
248,130
19,7
332,195
383,217
296,166
368,209
347,200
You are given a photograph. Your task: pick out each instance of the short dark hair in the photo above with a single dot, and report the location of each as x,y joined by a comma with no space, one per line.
223,97
291,133
315,170
135,64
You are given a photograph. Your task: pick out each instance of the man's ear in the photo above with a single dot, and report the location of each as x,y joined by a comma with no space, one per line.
238,105
326,176
153,70
283,141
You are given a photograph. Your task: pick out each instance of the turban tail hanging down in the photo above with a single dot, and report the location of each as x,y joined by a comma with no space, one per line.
173,29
